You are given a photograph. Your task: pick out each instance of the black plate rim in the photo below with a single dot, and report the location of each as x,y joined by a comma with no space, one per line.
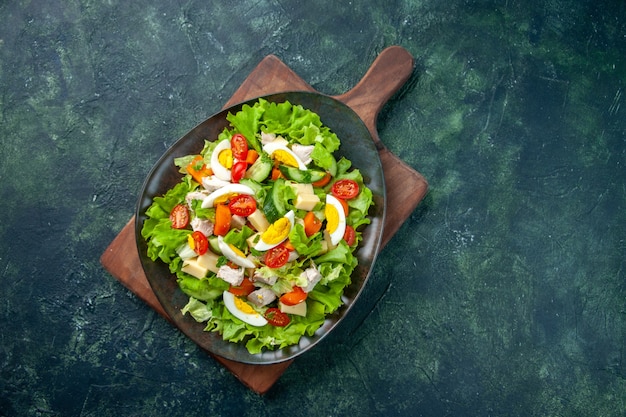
212,342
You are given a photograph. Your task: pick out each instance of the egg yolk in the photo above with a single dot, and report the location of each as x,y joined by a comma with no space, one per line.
332,218
277,231
237,251
224,198
244,307
283,156
226,158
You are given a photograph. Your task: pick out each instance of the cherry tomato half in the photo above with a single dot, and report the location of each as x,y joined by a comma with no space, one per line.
200,242
345,189
243,289
242,205
275,317
179,216
238,171
277,256
239,146
295,296
349,235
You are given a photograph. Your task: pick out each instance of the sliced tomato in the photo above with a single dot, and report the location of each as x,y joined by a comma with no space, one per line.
344,205
312,224
239,146
295,296
200,242
179,216
325,180
238,171
277,318
242,205
349,235
222,220
242,290
277,256
345,189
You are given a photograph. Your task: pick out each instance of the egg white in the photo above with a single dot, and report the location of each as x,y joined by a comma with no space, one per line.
337,234
274,146
263,245
209,200
254,319
232,256
219,170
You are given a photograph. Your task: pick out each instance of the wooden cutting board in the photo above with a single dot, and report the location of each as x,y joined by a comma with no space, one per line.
391,69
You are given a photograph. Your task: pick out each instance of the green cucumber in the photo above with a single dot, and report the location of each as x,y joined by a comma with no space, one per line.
302,176
215,247
274,205
260,169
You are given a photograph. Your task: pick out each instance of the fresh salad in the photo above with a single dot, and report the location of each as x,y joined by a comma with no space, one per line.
261,230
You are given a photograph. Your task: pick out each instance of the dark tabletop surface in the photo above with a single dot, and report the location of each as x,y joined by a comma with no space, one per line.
505,291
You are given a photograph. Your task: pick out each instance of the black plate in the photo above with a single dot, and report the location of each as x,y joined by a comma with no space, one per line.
356,145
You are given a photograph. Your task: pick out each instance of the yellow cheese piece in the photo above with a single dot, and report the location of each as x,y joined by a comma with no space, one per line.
258,221
191,267
299,309
302,188
208,261
253,240
306,201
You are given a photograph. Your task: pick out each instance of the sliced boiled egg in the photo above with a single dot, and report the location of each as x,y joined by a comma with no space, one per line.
233,254
335,219
243,310
279,151
276,233
222,160
224,193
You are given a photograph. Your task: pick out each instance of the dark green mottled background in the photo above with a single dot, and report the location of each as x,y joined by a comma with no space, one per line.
507,289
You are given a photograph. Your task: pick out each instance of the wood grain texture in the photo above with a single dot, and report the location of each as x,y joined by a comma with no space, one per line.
386,75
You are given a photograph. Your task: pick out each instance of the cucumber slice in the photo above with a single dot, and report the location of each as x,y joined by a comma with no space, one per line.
260,169
274,205
213,244
303,177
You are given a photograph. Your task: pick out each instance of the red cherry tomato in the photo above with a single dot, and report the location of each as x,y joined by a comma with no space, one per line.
349,235
179,216
200,242
242,290
239,146
277,256
242,205
275,317
345,189
238,171
295,296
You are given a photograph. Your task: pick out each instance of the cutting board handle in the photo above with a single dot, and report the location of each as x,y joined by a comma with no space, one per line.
389,71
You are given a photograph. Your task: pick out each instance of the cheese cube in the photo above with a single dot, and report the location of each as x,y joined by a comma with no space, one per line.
253,240
306,201
302,188
191,267
258,221
208,261
299,309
